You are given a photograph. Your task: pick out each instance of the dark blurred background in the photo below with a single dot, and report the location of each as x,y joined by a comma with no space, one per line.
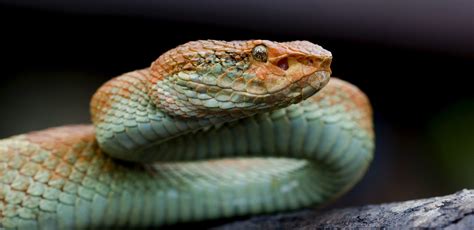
414,59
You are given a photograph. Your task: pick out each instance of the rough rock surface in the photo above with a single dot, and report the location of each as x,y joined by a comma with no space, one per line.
455,211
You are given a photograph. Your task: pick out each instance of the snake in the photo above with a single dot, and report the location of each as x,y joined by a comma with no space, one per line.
211,129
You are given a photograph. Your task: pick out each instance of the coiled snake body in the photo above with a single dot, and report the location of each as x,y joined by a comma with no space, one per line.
211,129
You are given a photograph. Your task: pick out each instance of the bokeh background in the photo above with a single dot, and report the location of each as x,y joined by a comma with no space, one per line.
414,59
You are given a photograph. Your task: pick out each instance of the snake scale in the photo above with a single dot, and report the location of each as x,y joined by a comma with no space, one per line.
211,129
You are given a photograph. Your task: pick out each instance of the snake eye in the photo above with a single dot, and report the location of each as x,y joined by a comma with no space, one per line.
259,53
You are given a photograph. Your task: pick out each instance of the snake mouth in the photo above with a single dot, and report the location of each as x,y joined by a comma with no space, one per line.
295,92
311,83
306,86
315,80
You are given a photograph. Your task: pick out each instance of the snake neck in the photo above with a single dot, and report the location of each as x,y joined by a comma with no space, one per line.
174,97
129,123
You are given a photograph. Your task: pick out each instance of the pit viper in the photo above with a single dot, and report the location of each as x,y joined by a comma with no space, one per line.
211,129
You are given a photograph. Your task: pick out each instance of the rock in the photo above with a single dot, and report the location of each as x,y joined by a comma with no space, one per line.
455,211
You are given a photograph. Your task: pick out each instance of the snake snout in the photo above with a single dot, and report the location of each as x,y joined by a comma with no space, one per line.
325,64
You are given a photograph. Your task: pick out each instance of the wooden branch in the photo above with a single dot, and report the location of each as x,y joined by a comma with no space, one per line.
455,211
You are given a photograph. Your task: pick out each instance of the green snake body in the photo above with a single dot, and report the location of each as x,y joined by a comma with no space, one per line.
161,154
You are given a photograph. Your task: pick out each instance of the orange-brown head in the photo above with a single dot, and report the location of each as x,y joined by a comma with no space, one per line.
209,77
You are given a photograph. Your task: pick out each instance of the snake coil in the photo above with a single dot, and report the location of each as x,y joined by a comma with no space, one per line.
211,129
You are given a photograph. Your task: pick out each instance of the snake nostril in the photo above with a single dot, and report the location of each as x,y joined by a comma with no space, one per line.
283,63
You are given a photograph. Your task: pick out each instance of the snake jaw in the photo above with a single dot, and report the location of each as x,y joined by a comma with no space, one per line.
318,80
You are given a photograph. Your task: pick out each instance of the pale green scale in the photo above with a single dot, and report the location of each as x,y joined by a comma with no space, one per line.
8,177
242,201
26,213
14,196
148,208
252,135
136,136
314,192
48,206
313,135
358,157
201,149
172,208
268,201
159,203
241,142
298,132
253,198
31,202
82,210
124,140
185,212
138,204
266,130
159,128
214,149
350,154
308,195
248,76
327,141
190,147
341,145
282,129
51,194
226,141
98,210
178,151
325,187
226,207
28,224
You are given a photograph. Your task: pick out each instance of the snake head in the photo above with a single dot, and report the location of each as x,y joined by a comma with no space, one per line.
239,77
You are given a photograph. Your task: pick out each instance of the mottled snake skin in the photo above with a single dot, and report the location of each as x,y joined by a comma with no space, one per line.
211,129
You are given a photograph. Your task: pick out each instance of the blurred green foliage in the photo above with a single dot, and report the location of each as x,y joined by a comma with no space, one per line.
451,139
